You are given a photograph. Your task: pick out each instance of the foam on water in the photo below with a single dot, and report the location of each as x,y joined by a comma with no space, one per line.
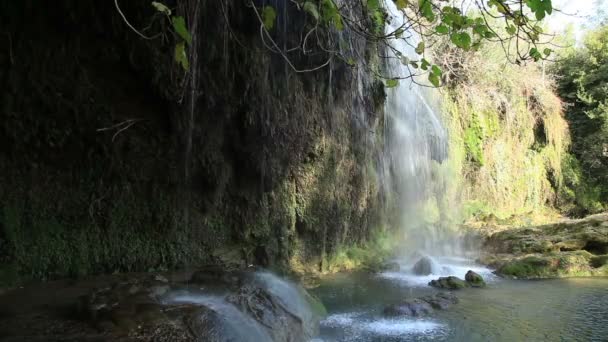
394,327
360,326
443,267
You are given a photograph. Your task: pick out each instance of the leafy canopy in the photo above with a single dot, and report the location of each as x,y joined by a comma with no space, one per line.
515,24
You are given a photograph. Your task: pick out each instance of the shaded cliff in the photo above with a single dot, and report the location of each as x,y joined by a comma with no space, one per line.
240,161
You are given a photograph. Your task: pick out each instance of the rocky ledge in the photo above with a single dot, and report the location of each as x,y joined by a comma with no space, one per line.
573,248
211,306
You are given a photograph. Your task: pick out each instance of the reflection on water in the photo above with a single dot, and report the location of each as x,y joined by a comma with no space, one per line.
507,310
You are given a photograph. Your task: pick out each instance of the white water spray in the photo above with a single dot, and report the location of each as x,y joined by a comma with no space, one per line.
415,137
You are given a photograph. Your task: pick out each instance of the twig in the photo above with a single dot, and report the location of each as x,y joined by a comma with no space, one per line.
131,26
120,127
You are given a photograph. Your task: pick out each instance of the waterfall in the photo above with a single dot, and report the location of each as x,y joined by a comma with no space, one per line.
415,136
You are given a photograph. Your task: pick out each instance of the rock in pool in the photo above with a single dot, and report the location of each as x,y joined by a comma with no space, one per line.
423,267
474,279
450,283
421,306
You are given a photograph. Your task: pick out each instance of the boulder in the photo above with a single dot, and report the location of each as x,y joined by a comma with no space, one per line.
474,279
423,267
282,324
222,322
449,283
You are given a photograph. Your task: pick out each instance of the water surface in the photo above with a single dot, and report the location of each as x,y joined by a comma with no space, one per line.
573,309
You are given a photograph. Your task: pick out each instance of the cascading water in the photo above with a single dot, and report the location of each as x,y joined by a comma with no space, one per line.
416,145
415,136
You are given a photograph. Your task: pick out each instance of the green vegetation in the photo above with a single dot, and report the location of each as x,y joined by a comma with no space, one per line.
583,75
507,133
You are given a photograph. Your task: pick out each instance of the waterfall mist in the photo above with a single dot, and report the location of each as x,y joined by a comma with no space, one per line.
416,143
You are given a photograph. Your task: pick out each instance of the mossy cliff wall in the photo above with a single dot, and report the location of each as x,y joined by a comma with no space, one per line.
508,139
253,164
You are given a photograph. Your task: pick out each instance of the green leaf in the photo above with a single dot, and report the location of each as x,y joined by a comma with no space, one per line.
269,16
424,64
442,29
392,83
540,8
511,29
547,52
179,25
312,9
534,53
161,8
414,64
181,57
401,4
420,48
461,39
331,14
436,70
434,79
426,10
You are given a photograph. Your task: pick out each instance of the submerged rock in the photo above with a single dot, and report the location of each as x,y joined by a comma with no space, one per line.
421,306
442,300
474,279
423,267
415,307
450,283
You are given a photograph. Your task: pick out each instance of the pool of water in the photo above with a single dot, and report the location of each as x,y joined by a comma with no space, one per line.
506,310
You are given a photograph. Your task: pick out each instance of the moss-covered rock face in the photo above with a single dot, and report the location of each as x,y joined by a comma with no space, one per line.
554,265
589,234
449,283
568,249
254,164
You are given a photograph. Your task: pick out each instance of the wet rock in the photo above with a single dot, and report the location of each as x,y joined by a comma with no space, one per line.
442,300
213,325
217,275
474,279
126,305
423,267
450,283
414,308
421,306
283,323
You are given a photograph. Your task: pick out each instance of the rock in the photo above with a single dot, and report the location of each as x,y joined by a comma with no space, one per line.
450,283
474,279
423,267
414,308
125,306
441,301
224,324
421,306
283,324
555,265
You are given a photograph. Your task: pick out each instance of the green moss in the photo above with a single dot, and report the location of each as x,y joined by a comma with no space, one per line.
565,264
473,141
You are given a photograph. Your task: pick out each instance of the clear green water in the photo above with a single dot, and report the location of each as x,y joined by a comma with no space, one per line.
507,310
